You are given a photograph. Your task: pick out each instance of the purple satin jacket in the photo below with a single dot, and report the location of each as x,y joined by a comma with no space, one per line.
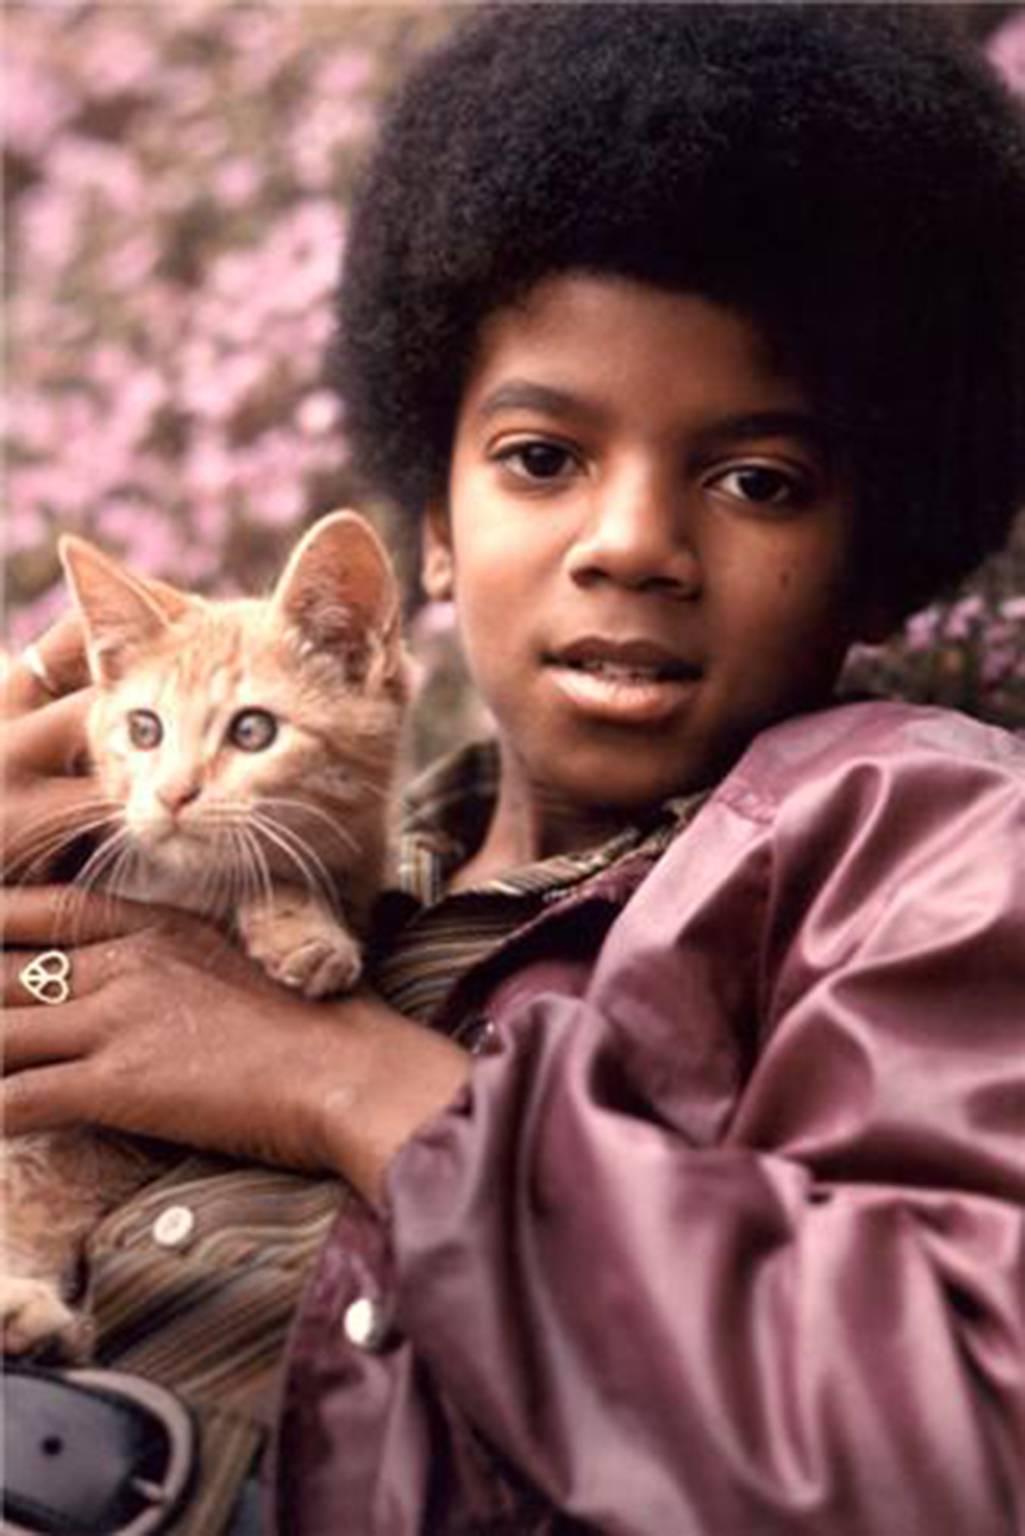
727,1234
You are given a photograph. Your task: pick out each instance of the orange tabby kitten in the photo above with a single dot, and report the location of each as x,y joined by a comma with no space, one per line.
244,750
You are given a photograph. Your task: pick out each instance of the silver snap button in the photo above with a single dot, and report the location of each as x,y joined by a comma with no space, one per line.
365,1324
174,1226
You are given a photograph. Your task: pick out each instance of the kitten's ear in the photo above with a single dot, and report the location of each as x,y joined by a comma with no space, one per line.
339,590
120,611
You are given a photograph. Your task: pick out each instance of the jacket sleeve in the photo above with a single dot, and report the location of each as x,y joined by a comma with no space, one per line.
735,1242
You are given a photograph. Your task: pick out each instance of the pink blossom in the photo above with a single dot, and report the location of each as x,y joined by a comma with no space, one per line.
921,630
316,139
106,169
343,73
1006,50
26,623
132,261
1000,663
187,89
48,225
209,467
317,413
24,526
252,30
31,491
962,618
211,520
237,181
35,103
117,58
29,421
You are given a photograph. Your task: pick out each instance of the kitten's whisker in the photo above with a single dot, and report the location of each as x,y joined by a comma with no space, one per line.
105,864
238,869
48,835
270,802
259,867
309,865
368,787
238,889
238,865
224,886
54,847
298,844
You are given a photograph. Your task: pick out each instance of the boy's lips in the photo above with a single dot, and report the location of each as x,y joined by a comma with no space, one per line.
633,682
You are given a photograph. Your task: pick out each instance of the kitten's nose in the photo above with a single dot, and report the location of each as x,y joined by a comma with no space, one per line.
176,793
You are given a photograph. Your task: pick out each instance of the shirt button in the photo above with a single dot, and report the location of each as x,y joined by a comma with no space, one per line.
174,1226
365,1324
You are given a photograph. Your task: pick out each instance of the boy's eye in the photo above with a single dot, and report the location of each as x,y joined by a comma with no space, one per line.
145,730
762,485
252,730
537,459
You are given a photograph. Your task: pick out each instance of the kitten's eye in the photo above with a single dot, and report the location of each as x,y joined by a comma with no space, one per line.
252,730
144,729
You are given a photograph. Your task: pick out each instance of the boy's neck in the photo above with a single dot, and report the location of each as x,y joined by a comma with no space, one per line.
526,827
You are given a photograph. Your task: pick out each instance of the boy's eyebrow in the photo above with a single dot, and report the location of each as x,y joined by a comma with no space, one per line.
524,394
790,423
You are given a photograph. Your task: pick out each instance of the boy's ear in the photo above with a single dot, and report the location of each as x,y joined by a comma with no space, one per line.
339,589
437,572
120,611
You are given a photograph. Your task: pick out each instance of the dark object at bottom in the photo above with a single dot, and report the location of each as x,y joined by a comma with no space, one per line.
92,1453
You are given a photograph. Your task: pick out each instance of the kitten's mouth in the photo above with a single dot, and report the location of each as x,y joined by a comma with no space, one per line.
170,840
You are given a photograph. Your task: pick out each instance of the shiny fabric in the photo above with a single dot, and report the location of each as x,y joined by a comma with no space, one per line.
727,1234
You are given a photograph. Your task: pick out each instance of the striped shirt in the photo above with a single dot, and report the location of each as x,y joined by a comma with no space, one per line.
426,937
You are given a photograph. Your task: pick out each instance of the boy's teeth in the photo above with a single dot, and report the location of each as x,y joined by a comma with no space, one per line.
615,669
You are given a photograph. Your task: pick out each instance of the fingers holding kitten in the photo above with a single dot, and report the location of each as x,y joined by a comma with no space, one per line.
49,798
42,984
50,739
41,916
53,666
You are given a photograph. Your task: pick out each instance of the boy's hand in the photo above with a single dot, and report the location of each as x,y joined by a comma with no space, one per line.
48,798
169,1031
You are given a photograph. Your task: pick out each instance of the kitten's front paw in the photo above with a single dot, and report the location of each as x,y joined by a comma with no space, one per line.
302,945
316,966
34,1317
322,964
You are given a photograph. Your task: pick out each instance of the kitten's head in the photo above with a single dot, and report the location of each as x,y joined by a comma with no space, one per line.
255,735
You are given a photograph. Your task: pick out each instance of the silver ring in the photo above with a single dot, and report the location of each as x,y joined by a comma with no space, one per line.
32,658
47,977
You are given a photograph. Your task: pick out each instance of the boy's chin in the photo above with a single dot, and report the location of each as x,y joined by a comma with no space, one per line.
628,783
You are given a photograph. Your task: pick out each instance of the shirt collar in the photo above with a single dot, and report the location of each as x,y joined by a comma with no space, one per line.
446,814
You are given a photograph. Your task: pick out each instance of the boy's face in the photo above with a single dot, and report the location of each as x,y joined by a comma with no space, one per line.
650,550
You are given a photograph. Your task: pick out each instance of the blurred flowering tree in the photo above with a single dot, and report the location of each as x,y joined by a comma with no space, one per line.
176,179
176,182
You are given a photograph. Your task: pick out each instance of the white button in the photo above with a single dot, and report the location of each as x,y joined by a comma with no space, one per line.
174,1226
364,1323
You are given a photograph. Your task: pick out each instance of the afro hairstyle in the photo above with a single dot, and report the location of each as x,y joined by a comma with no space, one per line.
851,177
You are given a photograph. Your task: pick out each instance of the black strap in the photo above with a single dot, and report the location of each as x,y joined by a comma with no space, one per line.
92,1453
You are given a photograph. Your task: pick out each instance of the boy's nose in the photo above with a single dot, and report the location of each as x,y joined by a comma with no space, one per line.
637,536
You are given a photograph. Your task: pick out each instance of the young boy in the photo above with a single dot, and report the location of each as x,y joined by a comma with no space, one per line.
697,336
